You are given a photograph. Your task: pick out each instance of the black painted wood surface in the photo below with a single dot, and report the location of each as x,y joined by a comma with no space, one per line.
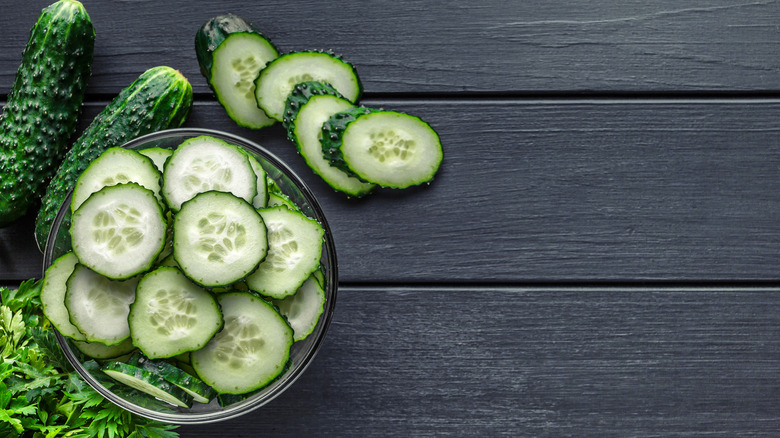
598,255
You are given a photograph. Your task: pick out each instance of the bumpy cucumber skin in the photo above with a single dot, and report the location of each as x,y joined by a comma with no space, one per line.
214,32
43,105
160,98
332,133
299,96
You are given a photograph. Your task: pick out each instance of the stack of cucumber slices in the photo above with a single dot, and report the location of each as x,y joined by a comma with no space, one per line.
191,273
315,95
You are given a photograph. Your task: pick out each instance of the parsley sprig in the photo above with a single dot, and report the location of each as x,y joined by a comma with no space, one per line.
41,396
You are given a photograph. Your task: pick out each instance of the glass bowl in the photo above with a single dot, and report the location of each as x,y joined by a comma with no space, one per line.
302,352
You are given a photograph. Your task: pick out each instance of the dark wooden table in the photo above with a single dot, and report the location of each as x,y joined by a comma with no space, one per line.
600,253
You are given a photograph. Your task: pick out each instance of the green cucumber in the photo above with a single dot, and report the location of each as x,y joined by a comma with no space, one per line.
43,105
308,107
119,231
251,351
53,295
294,252
280,76
98,306
158,156
96,350
303,309
171,315
388,148
200,391
231,52
148,382
218,239
160,98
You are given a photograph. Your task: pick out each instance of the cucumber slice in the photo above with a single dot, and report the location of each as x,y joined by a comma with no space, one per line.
294,252
158,156
280,199
308,107
387,148
171,315
277,79
231,51
261,199
116,166
53,295
100,351
237,62
199,390
251,350
148,382
119,231
99,306
303,309
206,163
218,239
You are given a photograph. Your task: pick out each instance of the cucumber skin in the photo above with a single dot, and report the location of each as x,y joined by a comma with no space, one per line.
43,105
160,98
214,32
332,133
299,96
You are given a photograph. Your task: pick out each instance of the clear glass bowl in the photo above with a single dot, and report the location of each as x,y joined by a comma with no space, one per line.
302,352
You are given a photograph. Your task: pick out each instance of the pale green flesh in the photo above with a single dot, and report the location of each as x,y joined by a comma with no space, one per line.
53,295
391,149
146,382
303,309
205,163
261,199
308,131
250,351
172,315
98,307
237,62
218,239
119,231
294,252
277,80
157,155
116,166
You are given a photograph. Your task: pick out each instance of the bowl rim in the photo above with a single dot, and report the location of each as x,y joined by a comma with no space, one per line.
286,379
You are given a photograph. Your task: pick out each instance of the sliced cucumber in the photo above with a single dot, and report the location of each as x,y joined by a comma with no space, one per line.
171,315
303,309
116,166
261,199
231,52
218,239
206,163
119,231
158,156
387,148
278,78
53,295
280,199
294,252
100,351
99,306
200,391
148,382
308,107
251,350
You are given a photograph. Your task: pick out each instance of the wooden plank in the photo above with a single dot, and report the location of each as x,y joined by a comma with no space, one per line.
595,362
456,46
563,190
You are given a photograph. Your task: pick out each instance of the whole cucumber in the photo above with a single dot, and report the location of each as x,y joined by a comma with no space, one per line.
43,105
160,98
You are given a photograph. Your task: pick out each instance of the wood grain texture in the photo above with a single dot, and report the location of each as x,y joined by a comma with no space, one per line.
553,362
552,191
433,46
